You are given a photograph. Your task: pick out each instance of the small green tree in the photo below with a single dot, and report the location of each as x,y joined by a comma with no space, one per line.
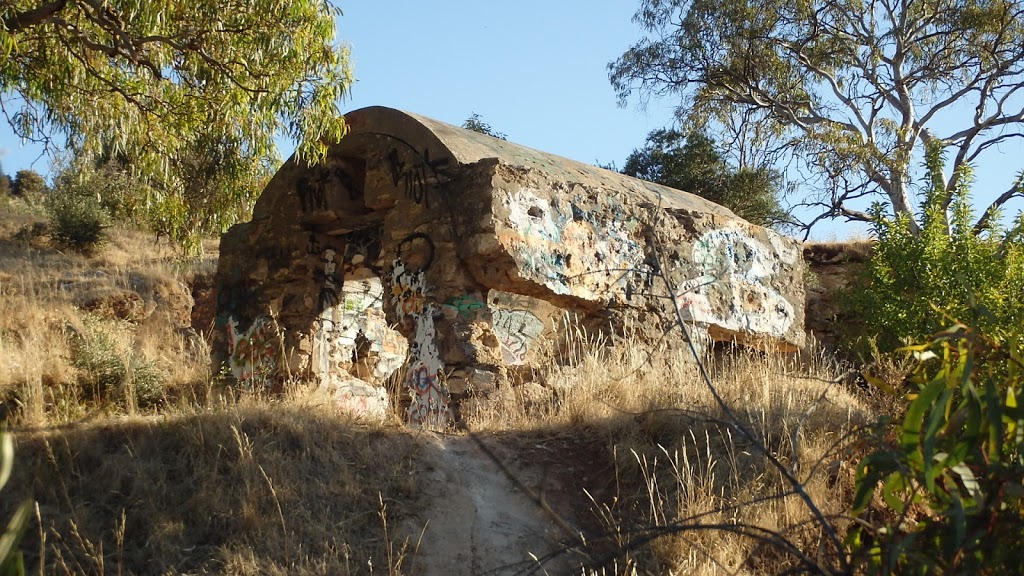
476,123
948,265
30,186
78,215
693,164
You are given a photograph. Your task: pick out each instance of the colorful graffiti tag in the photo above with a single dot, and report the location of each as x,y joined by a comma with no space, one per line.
742,296
429,407
568,248
252,353
515,324
357,329
409,291
351,325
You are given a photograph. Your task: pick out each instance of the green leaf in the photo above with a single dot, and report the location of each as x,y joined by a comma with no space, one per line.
894,492
6,457
970,483
914,418
10,560
871,470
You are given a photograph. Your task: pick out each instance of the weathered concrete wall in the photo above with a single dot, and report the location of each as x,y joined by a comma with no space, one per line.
832,267
452,258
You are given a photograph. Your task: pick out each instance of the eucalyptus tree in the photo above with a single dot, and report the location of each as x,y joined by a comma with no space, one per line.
855,90
189,95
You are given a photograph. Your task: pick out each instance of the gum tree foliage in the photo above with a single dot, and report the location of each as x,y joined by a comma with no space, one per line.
694,164
188,96
853,90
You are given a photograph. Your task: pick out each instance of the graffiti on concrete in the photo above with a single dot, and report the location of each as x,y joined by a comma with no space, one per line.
328,280
351,328
416,177
356,331
515,324
464,307
571,249
408,275
362,250
315,187
430,397
744,295
252,353
409,291
361,400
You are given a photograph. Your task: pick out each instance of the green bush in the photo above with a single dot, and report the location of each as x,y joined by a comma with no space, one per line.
102,369
31,233
147,386
108,375
953,487
972,276
77,219
30,186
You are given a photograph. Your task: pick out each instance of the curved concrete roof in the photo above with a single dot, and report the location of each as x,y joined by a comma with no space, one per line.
468,147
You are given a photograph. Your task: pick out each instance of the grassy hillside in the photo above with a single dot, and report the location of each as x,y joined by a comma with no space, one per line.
139,464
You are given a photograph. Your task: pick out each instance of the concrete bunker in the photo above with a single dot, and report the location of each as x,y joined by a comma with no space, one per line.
453,259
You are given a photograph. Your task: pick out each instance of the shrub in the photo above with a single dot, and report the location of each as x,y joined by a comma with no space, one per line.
30,186
974,276
30,233
77,220
102,370
108,375
954,484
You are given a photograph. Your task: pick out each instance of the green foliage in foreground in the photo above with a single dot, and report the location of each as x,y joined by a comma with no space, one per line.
108,375
953,486
971,276
11,563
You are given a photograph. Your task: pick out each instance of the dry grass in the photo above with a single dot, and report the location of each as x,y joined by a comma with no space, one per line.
647,459
188,480
836,251
251,488
128,301
675,466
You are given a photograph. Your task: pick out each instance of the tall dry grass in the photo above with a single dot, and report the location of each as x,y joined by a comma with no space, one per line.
682,491
176,478
248,488
128,303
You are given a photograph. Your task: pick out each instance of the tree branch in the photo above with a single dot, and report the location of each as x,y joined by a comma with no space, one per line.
33,17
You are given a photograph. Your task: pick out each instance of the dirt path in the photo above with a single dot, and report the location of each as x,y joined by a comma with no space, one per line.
478,521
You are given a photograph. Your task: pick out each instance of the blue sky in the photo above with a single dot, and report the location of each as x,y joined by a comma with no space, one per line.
535,70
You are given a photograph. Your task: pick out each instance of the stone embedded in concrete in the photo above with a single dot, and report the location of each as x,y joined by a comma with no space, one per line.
352,396
432,254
